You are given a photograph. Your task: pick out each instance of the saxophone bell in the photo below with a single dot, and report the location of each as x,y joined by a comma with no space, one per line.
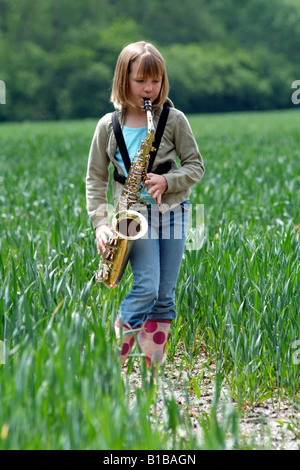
130,224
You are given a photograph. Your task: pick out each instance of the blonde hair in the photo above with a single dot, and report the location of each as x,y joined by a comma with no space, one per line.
152,65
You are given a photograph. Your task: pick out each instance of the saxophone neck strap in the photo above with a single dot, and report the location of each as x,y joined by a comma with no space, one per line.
120,141
122,145
158,134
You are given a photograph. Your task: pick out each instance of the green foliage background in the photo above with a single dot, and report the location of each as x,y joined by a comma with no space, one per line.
57,57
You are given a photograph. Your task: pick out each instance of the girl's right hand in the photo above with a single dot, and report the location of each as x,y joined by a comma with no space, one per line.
102,232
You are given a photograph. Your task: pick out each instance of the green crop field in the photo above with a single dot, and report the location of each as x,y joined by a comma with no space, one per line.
237,297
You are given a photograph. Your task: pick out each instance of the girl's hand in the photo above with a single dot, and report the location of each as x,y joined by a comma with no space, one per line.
102,232
158,185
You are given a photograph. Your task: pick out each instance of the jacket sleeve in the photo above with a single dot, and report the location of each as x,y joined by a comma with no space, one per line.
98,176
192,167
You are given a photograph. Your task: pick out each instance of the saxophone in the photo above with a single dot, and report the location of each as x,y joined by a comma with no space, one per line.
128,225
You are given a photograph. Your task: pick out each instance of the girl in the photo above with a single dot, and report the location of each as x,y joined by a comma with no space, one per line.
156,258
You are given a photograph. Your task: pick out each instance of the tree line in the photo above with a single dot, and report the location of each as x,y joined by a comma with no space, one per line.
57,57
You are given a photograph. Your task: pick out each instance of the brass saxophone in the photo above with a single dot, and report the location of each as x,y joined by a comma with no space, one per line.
128,225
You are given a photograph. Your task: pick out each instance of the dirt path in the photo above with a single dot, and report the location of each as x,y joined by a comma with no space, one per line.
272,425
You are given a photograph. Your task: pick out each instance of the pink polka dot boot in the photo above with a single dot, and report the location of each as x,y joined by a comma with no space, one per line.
127,336
153,339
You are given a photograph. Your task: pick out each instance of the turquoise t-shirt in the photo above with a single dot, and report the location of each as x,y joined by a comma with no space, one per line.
133,137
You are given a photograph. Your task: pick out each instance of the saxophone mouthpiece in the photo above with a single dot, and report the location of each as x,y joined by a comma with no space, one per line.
147,104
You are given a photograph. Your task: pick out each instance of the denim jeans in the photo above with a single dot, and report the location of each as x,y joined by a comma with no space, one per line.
155,261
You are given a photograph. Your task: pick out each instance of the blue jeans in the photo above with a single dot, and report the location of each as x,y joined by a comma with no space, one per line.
155,261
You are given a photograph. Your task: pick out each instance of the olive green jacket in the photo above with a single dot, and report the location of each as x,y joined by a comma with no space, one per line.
177,141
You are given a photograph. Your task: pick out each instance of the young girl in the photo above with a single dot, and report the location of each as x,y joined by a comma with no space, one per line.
156,258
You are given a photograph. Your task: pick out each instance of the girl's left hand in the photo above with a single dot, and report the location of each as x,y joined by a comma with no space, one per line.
158,185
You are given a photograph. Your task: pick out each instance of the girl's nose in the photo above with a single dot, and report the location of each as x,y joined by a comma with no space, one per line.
148,86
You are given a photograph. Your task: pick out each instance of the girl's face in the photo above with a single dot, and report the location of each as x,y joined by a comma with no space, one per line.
142,87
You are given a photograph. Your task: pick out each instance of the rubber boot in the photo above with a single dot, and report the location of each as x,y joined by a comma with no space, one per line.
127,336
152,340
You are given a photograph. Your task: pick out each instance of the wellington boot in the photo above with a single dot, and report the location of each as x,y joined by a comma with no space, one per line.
152,339
125,338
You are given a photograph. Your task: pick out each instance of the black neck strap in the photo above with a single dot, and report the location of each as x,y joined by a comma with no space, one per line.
158,134
120,141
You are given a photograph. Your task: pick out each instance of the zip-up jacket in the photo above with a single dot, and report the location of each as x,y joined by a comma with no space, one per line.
177,141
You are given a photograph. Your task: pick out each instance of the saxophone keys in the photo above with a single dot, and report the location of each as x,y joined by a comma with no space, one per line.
109,255
105,272
113,242
102,273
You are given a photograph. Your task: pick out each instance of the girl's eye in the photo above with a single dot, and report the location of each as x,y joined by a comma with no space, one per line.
140,80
